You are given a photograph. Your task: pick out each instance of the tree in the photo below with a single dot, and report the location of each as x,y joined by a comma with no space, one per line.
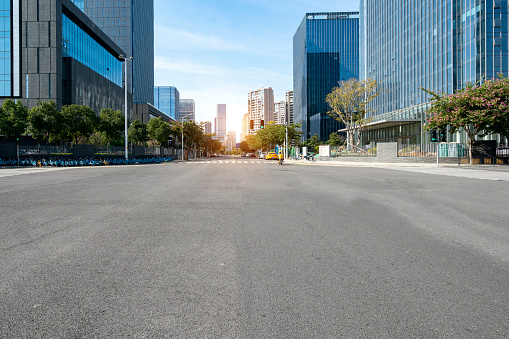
159,131
313,143
112,124
349,105
253,142
13,119
45,122
476,109
335,140
79,122
137,133
244,147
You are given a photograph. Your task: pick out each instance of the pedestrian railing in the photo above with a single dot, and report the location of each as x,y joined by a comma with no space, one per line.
430,150
354,151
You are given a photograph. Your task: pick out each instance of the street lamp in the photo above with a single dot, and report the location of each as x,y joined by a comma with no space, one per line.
123,57
182,121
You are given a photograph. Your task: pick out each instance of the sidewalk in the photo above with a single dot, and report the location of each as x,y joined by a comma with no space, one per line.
484,172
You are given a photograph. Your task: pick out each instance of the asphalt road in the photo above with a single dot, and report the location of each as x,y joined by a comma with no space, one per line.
252,250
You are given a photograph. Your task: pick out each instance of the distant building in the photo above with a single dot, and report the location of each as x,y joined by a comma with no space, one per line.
207,127
325,51
220,122
279,112
187,108
260,104
130,24
245,127
289,107
50,50
230,140
166,99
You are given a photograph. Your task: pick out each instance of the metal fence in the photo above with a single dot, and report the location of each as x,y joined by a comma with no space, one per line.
353,151
49,150
445,150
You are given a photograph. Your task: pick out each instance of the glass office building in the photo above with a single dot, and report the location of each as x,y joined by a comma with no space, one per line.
325,51
130,24
50,50
10,61
166,99
437,45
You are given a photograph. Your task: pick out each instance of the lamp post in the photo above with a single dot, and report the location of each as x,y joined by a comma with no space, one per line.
123,57
182,121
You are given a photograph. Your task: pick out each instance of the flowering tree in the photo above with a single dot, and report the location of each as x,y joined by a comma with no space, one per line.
477,109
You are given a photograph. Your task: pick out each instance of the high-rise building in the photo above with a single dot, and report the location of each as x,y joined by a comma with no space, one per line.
260,104
325,51
220,122
130,24
280,112
166,99
187,108
207,127
289,107
50,50
440,46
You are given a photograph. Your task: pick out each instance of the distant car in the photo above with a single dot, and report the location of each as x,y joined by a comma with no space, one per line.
213,155
250,155
243,155
271,156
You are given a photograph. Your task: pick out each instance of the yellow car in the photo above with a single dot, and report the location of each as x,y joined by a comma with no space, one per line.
271,156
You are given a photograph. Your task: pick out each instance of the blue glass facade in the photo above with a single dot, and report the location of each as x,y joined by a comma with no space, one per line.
77,44
438,45
130,24
166,99
325,51
9,48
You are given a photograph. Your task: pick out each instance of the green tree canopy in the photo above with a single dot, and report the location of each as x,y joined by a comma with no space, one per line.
159,131
79,122
46,122
112,124
13,119
137,133
335,139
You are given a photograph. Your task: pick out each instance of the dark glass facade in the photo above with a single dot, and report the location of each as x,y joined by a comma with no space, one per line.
438,45
166,99
130,24
79,45
325,51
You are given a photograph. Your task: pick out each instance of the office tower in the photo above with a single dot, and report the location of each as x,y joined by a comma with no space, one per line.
325,51
279,112
166,99
220,122
260,104
207,127
435,45
289,107
130,24
74,64
187,108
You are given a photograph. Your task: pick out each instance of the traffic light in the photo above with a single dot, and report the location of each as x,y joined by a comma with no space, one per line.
251,124
262,123
434,135
441,135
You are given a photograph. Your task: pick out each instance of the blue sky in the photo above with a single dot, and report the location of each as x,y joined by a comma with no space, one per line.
217,51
